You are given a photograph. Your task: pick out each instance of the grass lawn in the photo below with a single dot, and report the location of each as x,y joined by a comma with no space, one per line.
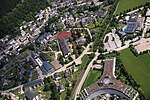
63,94
92,77
129,4
91,25
80,67
139,68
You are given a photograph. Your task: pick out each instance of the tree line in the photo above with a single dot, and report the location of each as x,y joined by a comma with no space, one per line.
25,11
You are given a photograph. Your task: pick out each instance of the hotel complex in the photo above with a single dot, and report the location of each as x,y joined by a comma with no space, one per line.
108,84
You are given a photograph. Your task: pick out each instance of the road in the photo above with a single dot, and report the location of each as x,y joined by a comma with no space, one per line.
134,11
77,61
77,91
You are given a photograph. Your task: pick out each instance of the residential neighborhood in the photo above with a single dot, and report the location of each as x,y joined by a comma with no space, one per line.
78,50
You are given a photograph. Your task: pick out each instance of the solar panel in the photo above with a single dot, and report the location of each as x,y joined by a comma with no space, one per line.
131,28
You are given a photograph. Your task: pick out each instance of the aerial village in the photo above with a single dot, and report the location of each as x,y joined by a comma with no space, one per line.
52,56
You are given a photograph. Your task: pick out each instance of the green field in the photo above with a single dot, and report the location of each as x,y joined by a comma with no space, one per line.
129,4
139,68
92,77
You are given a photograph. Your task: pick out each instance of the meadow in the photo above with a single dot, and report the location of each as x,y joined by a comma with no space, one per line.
139,68
93,76
129,4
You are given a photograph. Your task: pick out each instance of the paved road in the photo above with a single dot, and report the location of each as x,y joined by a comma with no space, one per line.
77,91
134,11
77,61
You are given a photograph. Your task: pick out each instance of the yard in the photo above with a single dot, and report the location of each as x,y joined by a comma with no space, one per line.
92,77
139,68
129,4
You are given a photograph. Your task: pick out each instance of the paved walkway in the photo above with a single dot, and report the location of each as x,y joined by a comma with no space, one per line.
85,75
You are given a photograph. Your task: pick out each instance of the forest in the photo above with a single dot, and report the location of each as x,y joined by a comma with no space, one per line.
24,11
7,6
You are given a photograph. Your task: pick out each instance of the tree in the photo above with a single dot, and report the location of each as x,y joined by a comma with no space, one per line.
56,96
46,87
106,39
61,60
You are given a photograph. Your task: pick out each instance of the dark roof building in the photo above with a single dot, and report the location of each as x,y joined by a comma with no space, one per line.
46,68
64,47
57,76
100,14
43,57
31,96
63,44
61,88
33,83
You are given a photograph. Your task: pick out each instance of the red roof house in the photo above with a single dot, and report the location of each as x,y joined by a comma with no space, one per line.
63,35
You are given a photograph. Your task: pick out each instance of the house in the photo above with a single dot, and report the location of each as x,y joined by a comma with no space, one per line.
97,2
43,57
120,33
31,96
46,68
67,74
81,41
43,39
85,21
148,13
100,14
74,69
57,76
69,83
33,84
61,88
65,35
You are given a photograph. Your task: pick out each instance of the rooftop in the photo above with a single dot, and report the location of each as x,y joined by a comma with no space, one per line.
30,95
63,35
33,83
64,46
107,84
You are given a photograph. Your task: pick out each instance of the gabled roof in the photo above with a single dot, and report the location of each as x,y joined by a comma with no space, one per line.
33,83
64,47
47,66
30,95
44,58
63,35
